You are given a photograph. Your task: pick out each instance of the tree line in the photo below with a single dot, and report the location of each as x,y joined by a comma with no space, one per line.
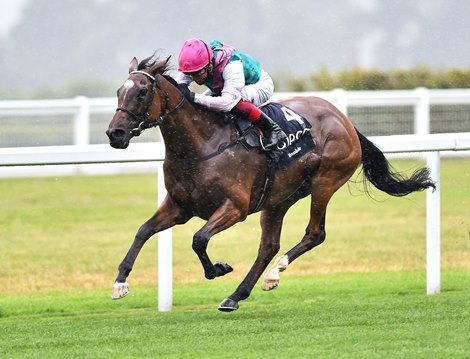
372,79
353,79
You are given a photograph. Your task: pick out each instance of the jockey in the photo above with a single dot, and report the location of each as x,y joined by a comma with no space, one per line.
236,82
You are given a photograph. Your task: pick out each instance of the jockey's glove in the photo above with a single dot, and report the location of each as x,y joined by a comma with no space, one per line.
186,92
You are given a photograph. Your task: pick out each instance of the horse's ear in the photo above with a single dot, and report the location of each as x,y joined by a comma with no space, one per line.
133,65
159,66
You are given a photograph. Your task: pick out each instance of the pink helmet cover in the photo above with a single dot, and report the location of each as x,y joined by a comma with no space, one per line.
194,56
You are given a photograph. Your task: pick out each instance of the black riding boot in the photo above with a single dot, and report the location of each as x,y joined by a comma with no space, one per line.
271,131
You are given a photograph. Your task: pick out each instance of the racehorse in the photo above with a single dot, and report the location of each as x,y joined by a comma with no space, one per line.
209,174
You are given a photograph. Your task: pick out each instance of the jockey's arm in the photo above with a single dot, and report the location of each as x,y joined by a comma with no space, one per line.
181,78
234,80
184,79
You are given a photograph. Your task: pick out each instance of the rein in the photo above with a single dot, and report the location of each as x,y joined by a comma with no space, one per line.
145,123
143,119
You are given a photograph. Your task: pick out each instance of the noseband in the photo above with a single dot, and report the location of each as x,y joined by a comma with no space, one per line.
143,119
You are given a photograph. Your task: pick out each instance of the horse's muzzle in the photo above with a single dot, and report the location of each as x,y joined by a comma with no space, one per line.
117,138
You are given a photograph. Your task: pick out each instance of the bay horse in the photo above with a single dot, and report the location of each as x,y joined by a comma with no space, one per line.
209,174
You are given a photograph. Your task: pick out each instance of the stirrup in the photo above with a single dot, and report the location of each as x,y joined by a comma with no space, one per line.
266,147
262,143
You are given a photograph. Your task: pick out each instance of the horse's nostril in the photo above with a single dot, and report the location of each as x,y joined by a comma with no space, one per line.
115,134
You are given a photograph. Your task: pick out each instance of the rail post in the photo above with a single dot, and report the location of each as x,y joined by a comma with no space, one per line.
165,255
433,227
422,112
340,99
81,130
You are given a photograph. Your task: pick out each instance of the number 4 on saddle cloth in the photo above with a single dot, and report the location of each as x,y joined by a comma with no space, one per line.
295,127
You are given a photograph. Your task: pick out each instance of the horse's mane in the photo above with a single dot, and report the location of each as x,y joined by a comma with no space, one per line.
164,71
152,60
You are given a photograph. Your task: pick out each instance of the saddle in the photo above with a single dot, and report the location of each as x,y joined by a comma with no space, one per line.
294,126
298,142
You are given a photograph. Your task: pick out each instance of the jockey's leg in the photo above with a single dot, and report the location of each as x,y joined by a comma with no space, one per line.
271,131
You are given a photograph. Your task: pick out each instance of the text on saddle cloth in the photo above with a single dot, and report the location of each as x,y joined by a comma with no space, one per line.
296,127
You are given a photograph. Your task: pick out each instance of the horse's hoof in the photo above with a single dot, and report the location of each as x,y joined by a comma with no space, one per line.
228,305
270,284
120,290
222,268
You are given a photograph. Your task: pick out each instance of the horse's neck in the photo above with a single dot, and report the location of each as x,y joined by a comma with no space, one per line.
192,133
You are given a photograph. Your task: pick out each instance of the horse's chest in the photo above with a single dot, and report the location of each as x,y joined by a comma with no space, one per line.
192,191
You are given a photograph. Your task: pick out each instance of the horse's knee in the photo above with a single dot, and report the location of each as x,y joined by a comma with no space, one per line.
145,232
199,243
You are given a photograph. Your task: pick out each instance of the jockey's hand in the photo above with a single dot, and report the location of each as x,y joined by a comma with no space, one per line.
186,92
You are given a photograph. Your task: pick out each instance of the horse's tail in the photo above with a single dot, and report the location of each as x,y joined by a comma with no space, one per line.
381,174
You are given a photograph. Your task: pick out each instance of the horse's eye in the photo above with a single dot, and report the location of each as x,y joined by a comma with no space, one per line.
142,93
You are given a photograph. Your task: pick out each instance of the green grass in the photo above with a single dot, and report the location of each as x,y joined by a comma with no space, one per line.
330,316
360,294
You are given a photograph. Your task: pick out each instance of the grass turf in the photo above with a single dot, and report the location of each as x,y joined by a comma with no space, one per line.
360,294
330,316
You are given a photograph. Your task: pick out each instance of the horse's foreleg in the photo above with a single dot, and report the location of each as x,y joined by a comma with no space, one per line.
165,217
271,224
224,217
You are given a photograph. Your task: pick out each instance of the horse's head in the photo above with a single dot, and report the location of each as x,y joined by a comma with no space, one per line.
141,101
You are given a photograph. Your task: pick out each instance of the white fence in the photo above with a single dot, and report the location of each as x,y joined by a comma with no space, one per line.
420,99
82,108
86,154
16,161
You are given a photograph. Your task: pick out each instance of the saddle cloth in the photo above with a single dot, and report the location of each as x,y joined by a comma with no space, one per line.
295,126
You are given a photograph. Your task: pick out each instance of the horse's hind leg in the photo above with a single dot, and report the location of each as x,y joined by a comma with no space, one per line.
310,240
315,232
271,224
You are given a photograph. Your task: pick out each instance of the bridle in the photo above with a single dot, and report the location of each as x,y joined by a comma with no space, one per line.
143,119
145,122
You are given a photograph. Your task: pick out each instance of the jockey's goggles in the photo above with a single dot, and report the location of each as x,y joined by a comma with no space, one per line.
197,73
